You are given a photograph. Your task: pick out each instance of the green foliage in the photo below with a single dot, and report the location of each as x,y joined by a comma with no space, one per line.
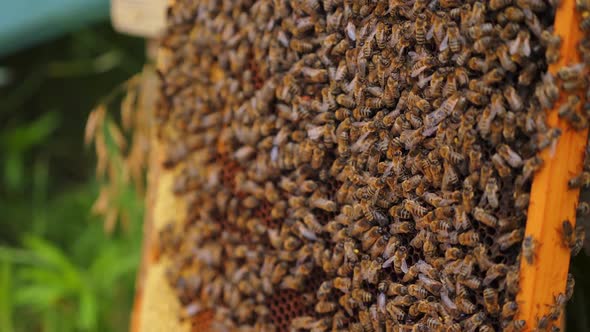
59,270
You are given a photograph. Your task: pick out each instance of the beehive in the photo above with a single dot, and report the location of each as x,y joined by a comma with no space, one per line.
351,165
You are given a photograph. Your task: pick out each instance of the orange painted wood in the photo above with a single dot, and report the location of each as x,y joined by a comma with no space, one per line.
551,200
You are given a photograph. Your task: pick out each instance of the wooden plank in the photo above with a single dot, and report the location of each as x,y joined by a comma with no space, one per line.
143,18
552,201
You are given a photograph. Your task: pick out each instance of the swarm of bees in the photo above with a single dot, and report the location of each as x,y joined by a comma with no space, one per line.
359,165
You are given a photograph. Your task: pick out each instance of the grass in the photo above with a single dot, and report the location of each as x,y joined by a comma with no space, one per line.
59,269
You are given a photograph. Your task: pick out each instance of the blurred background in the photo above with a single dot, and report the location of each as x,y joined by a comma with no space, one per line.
70,232
65,266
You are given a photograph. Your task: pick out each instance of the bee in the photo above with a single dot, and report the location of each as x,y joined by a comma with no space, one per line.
450,86
450,176
494,76
521,45
377,314
486,328
394,311
379,246
573,240
490,297
350,31
429,248
542,323
484,217
521,199
529,246
569,286
574,85
481,87
556,308
541,93
474,163
491,195
313,75
346,101
511,157
531,166
583,208
341,48
570,73
403,300
455,327
453,253
338,320
310,7
341,72
291,282
568,109
401,227
411,183
474,321
435,85
361,296
433,324
481,45
301,46
485,121
399,261
454,37
417,291
425,307
463,57
415,208
451,156
323,204
469,238
480,30
324,307
509,239
471,282
440,225
360,227
437,201
346,269
513,99
420,27
431,285
509,31
494,272
580,238
500,166
512,278
568,237
391,288
303,323
398,211
278,272
579,181
515,326
528,74
325,289
292,243
370,237
509,309
499,4
369,269
391,246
